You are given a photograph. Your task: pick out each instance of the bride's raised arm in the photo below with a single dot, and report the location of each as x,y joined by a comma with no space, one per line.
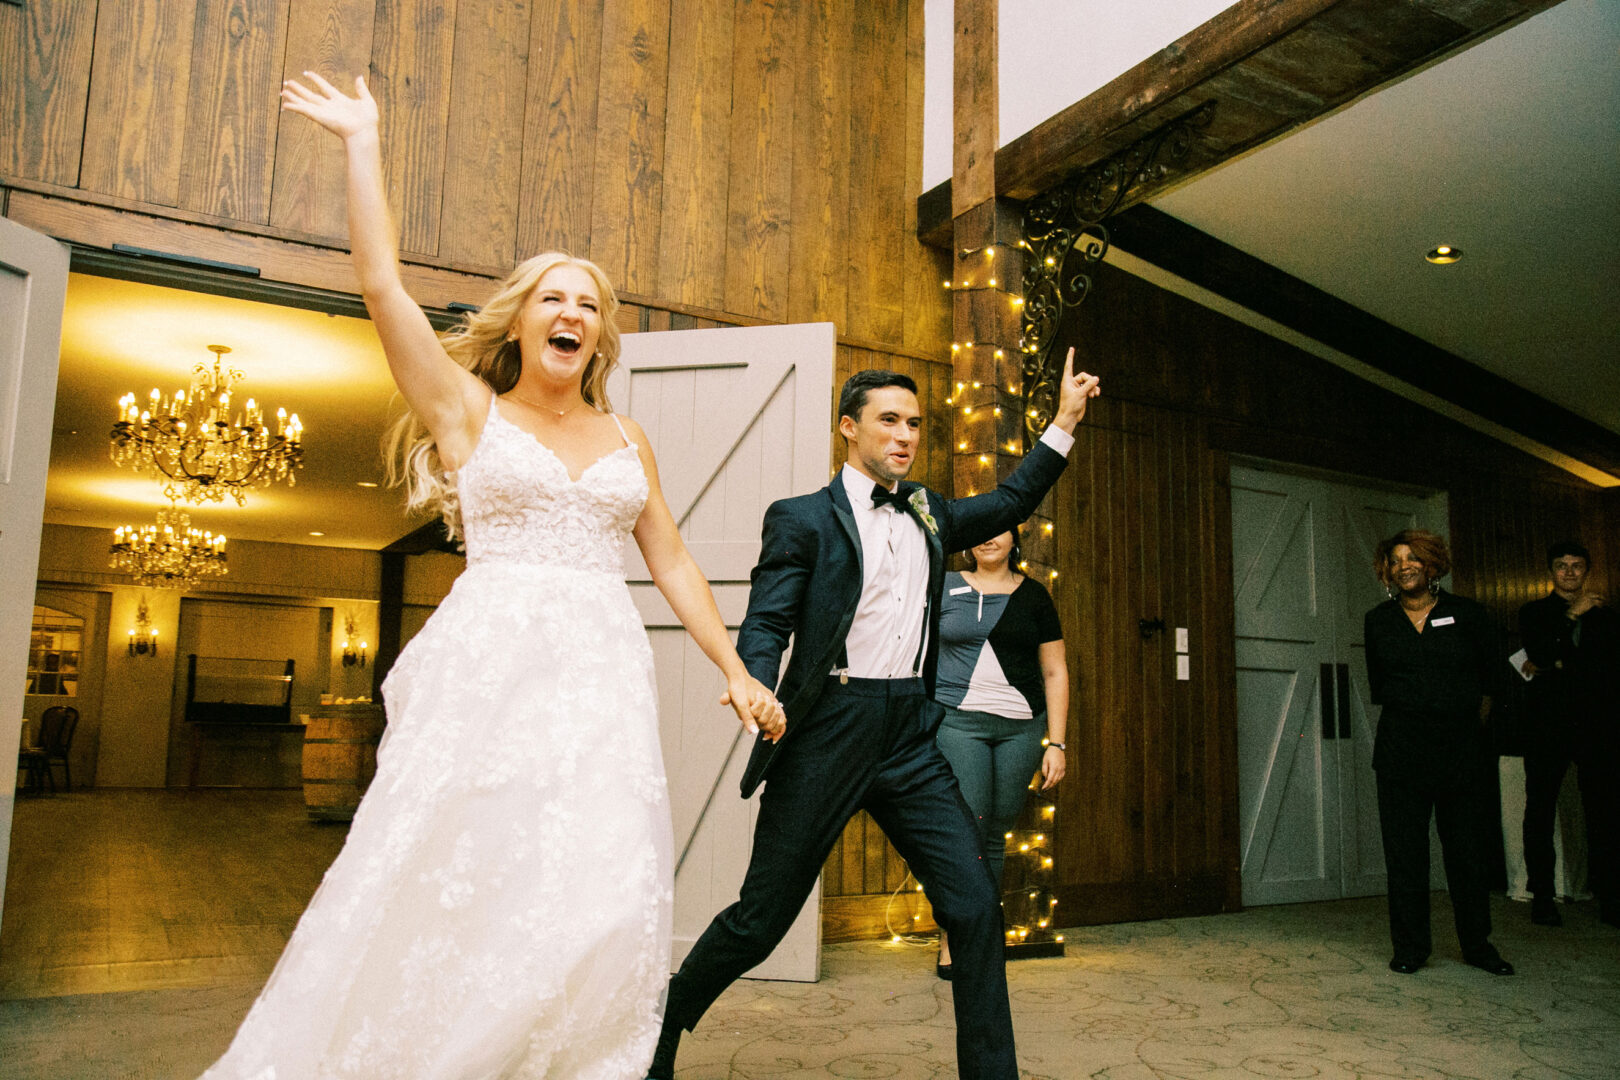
450,400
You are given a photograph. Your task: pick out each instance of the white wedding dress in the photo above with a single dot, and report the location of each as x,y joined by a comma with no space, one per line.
501,907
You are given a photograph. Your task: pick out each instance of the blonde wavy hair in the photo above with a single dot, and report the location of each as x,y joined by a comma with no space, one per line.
482,344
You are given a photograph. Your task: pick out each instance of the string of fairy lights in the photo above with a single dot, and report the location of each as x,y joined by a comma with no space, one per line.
1029,905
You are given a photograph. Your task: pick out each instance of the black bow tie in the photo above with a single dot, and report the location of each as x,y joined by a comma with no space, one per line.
896,499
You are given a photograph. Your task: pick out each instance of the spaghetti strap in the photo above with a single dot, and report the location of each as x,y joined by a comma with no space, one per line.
620,426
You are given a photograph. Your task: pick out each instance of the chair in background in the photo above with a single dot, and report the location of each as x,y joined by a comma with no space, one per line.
56,729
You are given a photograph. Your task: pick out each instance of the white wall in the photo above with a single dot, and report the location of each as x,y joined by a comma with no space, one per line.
1051,54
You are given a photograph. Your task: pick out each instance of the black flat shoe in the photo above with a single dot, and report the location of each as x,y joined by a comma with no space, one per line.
1404,967
1495,965
1545,913
943,971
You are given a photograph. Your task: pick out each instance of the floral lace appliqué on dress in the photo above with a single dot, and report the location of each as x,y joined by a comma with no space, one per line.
501,908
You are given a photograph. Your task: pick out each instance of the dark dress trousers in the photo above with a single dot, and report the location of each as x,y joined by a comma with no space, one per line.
1433,759
861,744
1574,717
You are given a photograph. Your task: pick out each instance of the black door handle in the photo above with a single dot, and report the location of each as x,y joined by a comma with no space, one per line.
1344,701
1327,684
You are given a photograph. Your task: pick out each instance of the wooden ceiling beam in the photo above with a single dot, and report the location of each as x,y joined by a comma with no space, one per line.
1271,66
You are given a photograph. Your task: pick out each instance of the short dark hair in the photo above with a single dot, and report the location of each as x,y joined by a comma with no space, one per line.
1568,547
852,398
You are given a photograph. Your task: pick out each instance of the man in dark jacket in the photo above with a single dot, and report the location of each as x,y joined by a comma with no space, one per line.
1573,642
852,574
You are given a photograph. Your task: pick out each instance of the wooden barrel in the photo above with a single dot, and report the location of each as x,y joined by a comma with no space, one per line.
340,758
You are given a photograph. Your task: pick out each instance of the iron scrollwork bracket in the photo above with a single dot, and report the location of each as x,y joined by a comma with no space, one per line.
1068,222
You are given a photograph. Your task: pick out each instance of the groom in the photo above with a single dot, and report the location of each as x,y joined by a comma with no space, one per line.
852,575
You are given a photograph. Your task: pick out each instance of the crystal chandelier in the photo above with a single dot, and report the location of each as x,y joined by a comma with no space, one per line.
169,554
191,440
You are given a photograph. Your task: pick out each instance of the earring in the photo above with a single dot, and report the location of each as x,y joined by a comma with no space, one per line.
1434,586
1389,591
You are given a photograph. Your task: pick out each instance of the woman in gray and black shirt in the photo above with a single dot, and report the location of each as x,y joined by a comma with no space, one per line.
1005,686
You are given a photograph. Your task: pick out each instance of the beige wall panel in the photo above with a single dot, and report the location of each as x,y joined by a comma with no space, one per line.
630,122
45,49
877,172
818,249
559,128
759,208
484,157
692,254
332,37
231,117
411,54
135,118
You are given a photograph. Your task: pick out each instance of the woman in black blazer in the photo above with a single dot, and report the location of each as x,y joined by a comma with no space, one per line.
1431,659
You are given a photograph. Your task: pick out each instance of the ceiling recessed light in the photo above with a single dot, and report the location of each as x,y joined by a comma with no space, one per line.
364,483
1444,255
317,534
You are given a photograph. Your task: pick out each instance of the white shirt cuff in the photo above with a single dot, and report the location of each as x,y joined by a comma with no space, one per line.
1058,439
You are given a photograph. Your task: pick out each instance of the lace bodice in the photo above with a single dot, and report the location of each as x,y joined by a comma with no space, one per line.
518,504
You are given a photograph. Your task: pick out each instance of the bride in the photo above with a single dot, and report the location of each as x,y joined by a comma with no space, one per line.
502,905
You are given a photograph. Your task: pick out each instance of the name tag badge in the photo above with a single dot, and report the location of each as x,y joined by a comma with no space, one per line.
963,589
1445,621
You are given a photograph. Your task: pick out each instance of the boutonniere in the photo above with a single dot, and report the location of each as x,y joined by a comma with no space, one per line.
919,506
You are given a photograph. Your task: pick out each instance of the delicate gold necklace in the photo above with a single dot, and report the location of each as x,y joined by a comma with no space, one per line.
559,413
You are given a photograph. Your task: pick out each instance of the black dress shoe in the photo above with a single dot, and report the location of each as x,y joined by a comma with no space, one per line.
1544,912
943,971
1405,967
1493,964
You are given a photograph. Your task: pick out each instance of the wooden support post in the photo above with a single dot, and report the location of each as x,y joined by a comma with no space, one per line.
986,280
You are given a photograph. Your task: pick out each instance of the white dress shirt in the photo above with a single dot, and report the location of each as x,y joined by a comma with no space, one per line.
886,637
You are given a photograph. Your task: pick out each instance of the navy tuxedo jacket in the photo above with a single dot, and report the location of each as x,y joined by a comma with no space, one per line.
807,584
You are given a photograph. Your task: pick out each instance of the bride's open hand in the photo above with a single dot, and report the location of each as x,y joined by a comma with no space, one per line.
330,107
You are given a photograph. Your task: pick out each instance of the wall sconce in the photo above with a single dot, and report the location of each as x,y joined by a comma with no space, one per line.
143,639
352,657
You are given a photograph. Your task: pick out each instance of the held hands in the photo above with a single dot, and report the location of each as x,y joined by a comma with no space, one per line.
1074,393
1054,763
755,706
337,112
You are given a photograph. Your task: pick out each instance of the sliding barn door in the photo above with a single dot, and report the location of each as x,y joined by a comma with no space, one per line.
33,288
737,418
1302,551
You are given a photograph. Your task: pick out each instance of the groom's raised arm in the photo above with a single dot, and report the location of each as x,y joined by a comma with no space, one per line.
978,518
786,557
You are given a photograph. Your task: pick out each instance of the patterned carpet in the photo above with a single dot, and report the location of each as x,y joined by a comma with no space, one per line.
1298,991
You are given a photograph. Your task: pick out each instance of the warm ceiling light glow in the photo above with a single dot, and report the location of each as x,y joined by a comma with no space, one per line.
1444,255
317,534
365,483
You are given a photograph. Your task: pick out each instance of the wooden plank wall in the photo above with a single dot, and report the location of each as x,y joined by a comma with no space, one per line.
758,158
1147,822
727,162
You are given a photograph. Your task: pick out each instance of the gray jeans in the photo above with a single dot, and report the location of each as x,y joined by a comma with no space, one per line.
993,758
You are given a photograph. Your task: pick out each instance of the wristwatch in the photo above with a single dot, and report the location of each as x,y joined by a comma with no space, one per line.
1058,745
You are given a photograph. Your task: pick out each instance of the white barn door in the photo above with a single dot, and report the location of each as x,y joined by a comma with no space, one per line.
33,288
1302,560
738,418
